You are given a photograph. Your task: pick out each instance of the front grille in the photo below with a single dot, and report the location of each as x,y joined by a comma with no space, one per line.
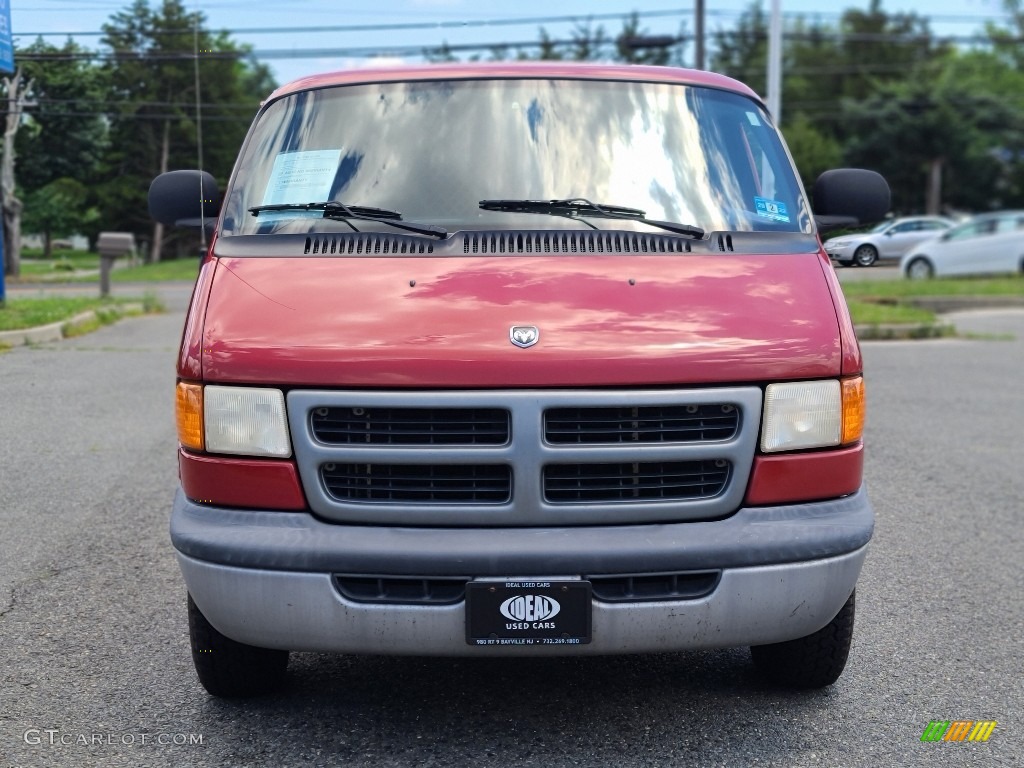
418,483
407,590
647,424
398,589
528,457
360,425
648,481
659,586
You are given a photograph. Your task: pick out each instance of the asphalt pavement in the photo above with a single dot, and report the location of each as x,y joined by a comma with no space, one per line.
96,670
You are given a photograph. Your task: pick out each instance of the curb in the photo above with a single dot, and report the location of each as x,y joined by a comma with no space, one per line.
898,331
43,334
939,305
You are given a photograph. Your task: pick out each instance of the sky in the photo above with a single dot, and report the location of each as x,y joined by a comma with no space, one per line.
292,32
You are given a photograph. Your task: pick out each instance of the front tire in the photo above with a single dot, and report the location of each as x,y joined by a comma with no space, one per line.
813,661
920,269
865,256
228,668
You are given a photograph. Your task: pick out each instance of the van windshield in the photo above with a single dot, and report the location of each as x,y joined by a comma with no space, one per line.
431,151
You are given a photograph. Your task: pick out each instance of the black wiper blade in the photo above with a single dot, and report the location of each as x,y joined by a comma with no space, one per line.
329,206
573,206
580,206
333,209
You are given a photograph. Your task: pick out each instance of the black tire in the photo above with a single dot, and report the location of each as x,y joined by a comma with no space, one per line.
920,269
813,661
228,668
865,255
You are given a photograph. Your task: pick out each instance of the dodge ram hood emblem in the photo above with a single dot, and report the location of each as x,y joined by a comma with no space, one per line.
524,335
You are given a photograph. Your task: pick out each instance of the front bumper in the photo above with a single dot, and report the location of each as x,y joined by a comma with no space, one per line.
843,253
266,578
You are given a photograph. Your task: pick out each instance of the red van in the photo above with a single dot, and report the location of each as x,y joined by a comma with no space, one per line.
518,359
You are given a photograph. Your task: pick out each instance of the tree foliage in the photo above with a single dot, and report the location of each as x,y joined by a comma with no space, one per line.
111,127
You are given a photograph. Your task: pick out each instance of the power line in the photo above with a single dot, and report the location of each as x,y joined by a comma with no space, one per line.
519,45
525,20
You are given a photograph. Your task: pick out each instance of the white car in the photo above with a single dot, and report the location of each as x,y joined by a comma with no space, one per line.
990,243
889,240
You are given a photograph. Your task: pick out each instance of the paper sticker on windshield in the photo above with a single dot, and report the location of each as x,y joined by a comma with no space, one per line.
302,177
753,119
771,209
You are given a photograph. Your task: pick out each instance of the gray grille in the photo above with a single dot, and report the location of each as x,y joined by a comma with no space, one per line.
650,424
410,426
424,483
537,458
657,481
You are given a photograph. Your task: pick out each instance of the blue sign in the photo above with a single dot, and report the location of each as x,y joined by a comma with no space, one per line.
6,42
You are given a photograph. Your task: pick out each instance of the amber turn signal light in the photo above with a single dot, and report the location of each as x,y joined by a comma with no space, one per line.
854,409
188,412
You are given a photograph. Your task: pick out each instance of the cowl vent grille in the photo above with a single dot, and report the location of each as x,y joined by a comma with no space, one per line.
354,245
505,242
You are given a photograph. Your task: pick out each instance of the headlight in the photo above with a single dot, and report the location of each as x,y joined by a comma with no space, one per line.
812,414
245,420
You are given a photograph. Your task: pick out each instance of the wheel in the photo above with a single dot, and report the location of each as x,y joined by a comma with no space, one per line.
865,256
228,668
920,269
813,661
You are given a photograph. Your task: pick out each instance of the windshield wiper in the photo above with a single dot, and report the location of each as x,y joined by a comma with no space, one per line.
334,209
579,206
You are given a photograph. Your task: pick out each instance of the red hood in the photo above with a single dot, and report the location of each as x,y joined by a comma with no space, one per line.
444,322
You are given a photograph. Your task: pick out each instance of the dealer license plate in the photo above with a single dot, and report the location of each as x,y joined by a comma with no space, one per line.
528,612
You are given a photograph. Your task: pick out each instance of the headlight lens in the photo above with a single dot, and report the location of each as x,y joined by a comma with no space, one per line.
802,414
246,420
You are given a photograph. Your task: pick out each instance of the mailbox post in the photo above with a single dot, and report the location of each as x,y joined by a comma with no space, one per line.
112,245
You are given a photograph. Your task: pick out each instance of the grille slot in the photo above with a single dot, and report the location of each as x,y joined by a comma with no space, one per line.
393,589
418,483
647,424
366,244
648,481
659,586
410,426
504,241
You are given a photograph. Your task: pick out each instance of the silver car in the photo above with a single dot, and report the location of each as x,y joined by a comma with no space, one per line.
889,240
988,244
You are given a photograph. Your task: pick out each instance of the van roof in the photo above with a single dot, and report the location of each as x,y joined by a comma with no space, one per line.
517,69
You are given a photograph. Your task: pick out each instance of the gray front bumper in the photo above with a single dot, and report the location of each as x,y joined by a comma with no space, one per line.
264,578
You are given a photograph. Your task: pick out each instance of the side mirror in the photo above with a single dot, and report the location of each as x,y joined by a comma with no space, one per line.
184,199
849,197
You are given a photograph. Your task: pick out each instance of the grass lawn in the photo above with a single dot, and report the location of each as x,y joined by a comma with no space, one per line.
31,312
1011,285
66,263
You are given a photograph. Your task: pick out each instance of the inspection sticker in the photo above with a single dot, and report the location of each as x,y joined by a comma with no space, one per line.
771,209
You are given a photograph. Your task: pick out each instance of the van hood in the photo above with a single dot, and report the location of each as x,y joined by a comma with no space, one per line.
445,322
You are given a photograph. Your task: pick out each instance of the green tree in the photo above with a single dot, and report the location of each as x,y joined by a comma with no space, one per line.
635,45
941,142
159,56
58,209
61,140
813,150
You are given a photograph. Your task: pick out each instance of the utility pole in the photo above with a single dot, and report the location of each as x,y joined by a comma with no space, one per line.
9,204
6,65
775,62
698,34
